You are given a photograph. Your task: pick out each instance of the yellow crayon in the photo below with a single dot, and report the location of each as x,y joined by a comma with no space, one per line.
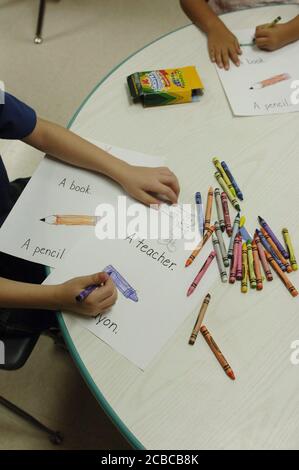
242,221
225,188
252,278
244,283
224,176
287,240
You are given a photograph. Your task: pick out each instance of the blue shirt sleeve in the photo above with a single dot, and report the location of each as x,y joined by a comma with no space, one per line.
17,120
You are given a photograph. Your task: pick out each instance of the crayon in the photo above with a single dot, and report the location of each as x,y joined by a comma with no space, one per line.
251,272
282,250
219,259
219,208
239,273
292,289
201,273
221,244
227,221
218,354
285,262
224,176
199,319
208,209
225,188
71,219
244,283
234,233
234,261
85,292
274,22
233,181
256,266
242,221
270,81
245,235
200,246
288,242
198,202
121,283
263,258
270,249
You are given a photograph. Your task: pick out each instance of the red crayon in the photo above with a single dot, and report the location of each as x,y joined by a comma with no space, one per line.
239,270
265,264
201,273
234,262
227,221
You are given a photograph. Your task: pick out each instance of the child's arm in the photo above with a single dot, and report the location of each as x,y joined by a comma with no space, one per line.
222,44
277,36
60,297
139,182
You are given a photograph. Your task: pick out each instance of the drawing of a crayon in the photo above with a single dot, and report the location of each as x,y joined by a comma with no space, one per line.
287,240
219,209
201,273
198,201
120,282
71,220
232,180
270,81
228,225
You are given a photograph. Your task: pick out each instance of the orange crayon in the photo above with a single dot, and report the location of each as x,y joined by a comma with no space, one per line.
218,354
263,258
202,242
284,261
257,266
199,319
208,209
292,289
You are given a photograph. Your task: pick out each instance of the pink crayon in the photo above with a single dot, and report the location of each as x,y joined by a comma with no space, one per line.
263,258
227,221
234,263
201,273
239,271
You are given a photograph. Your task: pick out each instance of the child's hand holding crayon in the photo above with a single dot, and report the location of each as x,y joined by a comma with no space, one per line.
270,37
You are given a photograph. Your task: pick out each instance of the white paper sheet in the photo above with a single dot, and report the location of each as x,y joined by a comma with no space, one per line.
139,330
59,188
245,85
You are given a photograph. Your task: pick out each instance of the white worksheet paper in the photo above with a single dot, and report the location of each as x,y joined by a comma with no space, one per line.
57,188
242,85
139,330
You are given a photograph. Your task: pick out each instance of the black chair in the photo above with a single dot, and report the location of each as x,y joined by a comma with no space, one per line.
17,349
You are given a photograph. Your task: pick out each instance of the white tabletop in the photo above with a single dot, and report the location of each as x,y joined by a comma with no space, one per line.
184,400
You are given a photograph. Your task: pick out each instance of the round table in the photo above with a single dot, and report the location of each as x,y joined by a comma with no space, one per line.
183,400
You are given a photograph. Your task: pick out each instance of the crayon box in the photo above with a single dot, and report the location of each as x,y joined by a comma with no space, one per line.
168,86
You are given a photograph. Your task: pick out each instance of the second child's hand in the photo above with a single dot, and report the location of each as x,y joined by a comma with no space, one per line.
223,46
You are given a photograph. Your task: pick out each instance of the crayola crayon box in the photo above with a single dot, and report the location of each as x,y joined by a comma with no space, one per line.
168,86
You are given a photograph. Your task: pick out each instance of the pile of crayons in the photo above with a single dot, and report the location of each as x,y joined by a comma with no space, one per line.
245,258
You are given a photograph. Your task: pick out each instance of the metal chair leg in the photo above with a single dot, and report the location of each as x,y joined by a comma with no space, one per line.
55,436
40,20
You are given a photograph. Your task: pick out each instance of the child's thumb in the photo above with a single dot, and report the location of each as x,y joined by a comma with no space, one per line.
97,278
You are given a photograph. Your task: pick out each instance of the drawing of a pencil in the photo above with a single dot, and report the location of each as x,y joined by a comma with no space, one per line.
71,220
270,81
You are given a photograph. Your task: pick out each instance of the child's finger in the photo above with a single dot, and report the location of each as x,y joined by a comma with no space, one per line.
238,48
234,56
166,191
147,199
262,32
225,59
218,59
261,43
212,54
171,181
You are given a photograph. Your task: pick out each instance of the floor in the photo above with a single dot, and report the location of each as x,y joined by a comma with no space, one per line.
83,40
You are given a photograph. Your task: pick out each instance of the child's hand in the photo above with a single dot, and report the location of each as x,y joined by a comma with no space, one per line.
272,38
97,302
142,182
223,46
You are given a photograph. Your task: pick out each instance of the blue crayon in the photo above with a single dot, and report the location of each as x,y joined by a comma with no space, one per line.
270,249
120,282
85,293
200,215
245,235
233,181
282,250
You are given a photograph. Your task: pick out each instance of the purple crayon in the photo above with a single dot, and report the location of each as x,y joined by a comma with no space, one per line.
270,249
282,250
85,293
120,282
